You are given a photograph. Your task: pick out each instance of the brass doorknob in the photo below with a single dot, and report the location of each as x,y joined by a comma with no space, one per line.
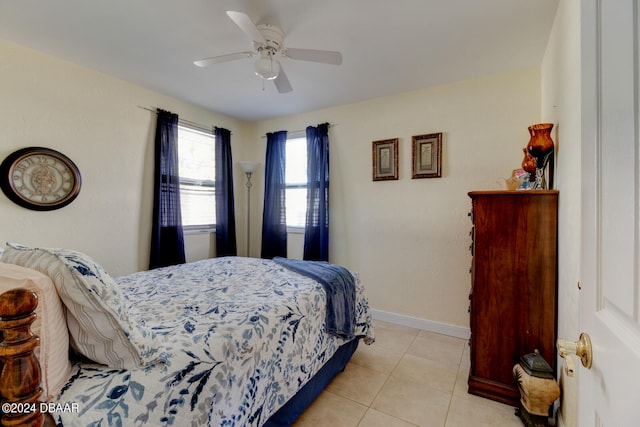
581,348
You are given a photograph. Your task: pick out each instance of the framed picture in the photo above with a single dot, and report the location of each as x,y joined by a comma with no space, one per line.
426,156
385,159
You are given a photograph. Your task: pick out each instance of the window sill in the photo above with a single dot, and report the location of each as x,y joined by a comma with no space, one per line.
198,230
295,230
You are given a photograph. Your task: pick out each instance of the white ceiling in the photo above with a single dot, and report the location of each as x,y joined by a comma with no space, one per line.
388,47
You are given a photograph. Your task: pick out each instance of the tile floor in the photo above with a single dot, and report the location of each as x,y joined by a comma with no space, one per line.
408,377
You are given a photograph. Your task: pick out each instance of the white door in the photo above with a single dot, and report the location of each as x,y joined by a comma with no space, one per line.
609,392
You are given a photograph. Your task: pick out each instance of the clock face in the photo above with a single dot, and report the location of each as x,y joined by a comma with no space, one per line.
39,178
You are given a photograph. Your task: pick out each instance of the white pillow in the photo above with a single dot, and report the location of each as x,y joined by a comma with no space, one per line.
50,325
97,317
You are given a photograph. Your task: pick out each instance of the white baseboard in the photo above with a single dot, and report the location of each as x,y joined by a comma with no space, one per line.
423,324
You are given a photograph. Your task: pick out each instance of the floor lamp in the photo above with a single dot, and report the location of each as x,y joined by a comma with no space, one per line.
249,168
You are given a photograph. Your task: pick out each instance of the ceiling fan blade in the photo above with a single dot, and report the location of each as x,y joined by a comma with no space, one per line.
282,82
246,25
324,56
205,62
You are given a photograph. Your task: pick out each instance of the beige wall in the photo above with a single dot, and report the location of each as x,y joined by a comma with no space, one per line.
408,239
96,121
561,105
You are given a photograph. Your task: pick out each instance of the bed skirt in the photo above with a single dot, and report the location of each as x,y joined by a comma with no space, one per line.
291,410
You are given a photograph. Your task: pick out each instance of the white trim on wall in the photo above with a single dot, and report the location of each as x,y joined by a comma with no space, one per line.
423,324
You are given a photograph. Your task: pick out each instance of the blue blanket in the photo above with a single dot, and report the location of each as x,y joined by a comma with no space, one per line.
340,288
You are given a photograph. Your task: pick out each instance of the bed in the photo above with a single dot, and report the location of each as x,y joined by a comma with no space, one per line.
221,342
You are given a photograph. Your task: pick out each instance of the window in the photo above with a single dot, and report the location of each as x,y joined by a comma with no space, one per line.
296,182
196,154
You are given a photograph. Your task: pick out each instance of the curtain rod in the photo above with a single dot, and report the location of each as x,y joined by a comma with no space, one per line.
183,121
300,132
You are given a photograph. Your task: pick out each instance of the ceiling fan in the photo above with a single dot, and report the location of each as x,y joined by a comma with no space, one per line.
267,43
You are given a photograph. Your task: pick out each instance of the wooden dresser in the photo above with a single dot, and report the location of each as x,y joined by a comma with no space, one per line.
513,286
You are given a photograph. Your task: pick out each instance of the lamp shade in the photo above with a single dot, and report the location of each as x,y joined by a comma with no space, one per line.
267,67
249,167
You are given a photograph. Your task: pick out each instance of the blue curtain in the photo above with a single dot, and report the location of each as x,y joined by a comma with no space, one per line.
274,216
225,209
316,231
167,239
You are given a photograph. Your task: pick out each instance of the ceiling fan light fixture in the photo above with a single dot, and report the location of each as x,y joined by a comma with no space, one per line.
267,67
267,41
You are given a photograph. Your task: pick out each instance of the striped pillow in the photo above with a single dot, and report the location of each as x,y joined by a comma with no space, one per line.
97,316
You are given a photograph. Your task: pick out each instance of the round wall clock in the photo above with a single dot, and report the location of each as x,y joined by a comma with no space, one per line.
39,178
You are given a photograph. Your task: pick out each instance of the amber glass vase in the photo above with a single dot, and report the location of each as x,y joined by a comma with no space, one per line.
541,148
529,164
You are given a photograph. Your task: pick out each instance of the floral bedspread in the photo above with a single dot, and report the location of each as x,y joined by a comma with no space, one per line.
239,337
